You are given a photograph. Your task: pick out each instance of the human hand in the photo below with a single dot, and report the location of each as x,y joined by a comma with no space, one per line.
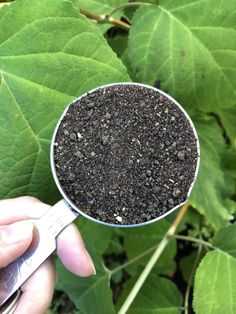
16,233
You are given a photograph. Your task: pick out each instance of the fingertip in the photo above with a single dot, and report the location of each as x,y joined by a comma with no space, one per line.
73,254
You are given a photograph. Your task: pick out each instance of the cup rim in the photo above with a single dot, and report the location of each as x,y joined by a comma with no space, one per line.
73,206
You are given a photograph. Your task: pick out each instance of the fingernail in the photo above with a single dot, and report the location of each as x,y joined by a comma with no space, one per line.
92,264
17,232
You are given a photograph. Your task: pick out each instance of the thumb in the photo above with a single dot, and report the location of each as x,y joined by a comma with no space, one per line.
14,240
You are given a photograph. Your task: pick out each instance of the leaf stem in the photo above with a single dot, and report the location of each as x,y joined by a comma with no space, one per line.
133,260
105,19
191,239
3,4
190,280
128,5
136,258
121,24
92,16
152,261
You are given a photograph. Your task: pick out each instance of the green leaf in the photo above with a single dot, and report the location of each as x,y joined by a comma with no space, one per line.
228,118
141,239
188,46
225,239
157,295
50,311
186,264
213,183
115,245
118,44
90,295
100,236
230,205
101,6
192,218
230,162
215,285
49,55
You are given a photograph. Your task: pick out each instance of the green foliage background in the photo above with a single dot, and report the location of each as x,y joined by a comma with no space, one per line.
49,55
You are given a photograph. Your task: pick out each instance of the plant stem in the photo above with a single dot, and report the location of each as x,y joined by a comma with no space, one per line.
162,245
105,19
190,280
143,276
136,258
191,239
133,260
3,4
128,5
92,16
123,25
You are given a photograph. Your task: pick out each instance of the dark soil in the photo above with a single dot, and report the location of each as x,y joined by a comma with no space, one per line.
125,154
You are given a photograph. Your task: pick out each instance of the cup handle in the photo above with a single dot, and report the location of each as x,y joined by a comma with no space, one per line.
47,227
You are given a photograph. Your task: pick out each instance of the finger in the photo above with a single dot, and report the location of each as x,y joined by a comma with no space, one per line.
20,208
14,240
38,290
72,252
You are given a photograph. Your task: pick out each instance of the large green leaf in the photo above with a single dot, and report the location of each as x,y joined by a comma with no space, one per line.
225,239
213,184
188,46
157,295
139,240
228,118
97,235
186,265
215,285
49,54
118,44
100,6
230,162
90,295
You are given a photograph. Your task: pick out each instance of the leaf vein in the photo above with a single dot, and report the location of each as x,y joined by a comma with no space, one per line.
201,43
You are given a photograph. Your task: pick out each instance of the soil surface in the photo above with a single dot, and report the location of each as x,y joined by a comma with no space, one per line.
125,154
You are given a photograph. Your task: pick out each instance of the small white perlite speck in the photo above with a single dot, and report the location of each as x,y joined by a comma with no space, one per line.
119,218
